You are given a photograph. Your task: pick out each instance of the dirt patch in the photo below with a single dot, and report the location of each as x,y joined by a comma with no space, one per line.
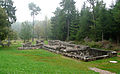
70,58
66,57
36,57
118,55
22,54
101,71
118,51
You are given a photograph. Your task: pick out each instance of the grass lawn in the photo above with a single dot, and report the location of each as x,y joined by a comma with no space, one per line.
13,61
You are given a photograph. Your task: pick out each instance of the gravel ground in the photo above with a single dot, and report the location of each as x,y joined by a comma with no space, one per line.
101,71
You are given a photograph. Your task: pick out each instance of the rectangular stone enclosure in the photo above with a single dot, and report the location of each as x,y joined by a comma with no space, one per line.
68,49
79,52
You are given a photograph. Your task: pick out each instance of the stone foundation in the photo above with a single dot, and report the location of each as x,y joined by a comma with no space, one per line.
68,49
29,46
79,52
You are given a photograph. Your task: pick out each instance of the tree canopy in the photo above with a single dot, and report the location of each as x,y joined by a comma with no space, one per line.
3,24
94,21
34,11
10,10
7,17
26,31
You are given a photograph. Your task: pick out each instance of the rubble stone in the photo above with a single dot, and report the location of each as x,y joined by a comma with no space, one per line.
80,52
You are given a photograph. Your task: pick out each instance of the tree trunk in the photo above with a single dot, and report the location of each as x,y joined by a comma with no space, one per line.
92,2
118,39
33,29
8,39
24,40
38,37
0,42
102,36
68,32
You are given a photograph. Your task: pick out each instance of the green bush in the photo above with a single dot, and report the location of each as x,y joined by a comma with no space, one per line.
118,53
116,48
93,44
110,39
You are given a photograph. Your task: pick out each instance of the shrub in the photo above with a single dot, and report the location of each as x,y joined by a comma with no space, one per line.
93,44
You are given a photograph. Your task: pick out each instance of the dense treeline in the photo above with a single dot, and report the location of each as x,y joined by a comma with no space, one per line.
94,21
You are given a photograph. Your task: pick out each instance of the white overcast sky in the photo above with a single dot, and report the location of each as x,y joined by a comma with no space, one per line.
47,7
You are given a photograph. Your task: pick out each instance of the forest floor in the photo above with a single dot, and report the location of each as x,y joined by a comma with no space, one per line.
39,61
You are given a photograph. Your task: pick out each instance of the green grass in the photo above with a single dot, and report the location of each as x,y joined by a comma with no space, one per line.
118,53
46,42
13,61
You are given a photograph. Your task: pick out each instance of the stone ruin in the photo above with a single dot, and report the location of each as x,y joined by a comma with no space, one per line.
68,49
79,52
5,44
27,46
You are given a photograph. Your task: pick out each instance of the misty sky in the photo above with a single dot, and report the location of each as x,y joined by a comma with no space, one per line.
47,7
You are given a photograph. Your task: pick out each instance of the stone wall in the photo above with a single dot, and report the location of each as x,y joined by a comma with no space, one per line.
27,46
68,49
81,52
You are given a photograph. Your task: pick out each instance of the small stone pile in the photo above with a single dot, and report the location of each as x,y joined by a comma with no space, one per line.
7,44
27,46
